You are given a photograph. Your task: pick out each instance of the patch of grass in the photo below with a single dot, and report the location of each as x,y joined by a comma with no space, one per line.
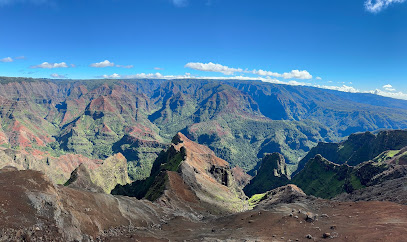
256,198
355,182
386,155
158,187
321,178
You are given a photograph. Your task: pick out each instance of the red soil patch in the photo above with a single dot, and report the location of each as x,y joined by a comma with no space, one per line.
180,189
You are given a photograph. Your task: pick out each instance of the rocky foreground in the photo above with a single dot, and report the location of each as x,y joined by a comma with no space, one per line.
193,197
33,209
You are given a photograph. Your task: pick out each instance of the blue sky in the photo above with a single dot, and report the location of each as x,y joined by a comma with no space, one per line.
351,45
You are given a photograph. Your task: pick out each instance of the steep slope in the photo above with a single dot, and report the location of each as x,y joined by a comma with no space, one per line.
80,179
189,173
271,174
323,178
394,190
358,147
241,177
344,113
104,173
33,209
111,172
243,141
326,179
238,120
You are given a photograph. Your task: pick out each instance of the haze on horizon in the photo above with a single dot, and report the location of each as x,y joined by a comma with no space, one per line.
355,46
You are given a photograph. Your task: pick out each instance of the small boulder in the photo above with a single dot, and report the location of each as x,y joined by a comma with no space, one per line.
310,217
308,236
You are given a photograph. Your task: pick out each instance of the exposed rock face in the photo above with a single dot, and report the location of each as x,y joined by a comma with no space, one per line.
113,171
209,176
241,177
80,179
272,174
58,169
322,178
394,190
358,148
33,209
285,194
104,173
239,120
326,179
205,177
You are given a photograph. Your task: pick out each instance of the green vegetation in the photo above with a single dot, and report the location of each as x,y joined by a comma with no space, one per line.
238,120
325,179
355,182
256,198
157,187
386,155
272,174
152,187
322,178
359,148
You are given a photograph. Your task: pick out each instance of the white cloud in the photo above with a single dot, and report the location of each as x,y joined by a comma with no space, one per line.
7,59
342,88
158,69
398,95
288,75
389,88
386,93
46,65
375,6
102,64
318,78
20,58
113,76
145,76
55,75
295,83
211,67
186,76
127,67
265,73
297,74
180,3
107,63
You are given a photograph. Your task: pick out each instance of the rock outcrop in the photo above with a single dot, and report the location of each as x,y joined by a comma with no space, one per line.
81,179
32,208
271,174
358,148
285,194
189,173
241,177
326,179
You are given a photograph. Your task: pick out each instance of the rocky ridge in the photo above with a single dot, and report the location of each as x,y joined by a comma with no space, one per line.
189,171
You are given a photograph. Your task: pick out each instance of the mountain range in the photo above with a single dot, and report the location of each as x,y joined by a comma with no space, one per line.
52,120
199,160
